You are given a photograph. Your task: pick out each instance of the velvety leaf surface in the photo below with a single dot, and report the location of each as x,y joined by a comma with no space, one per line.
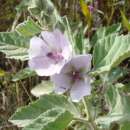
53,119
119,107
110,51
44,11
105,31
23,74
45,87
13,45
28,28
24,116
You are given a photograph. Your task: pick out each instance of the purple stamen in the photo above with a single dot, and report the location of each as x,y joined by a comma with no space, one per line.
55,56
76,75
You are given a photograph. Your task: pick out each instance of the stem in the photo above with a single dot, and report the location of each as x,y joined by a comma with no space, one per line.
26,91
88,124
18,15
89,120
86,109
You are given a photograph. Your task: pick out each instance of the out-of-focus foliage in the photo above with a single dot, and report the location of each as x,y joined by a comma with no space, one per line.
86,12
125,21
7,13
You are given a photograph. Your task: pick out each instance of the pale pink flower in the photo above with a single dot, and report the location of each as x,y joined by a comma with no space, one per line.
49,52
74,78
91,8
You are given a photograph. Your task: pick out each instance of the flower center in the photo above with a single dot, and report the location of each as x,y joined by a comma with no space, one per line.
55,56
76,75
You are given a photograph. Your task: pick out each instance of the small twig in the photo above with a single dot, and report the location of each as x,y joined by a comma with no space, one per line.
25,91
18,15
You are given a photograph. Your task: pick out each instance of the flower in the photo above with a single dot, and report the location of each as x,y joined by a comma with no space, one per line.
91,8
49,52
73,78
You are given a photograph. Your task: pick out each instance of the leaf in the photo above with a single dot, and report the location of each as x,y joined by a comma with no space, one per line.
82,44
119,112
26,115
125,126
125,21
44,11
14,39
13,52
23,74
86,12
23,5
116,73
2,73
28,28
43,88
53,119
110,51
68,32
105,31
14,46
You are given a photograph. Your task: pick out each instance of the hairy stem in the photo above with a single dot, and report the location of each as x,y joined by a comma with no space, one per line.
86,109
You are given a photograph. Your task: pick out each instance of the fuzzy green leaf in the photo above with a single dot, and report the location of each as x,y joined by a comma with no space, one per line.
13,45
26,115
23,5
14,39
23,74
44,11
45,87
13,52
105,31
53,119
110,51
28,28
119,105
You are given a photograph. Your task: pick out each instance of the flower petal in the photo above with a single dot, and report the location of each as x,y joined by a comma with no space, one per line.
51,70
56,40
40,62
45,66
42,65
51,40
82,62
37,47
80,89
40,48
64,44
67,68
61,82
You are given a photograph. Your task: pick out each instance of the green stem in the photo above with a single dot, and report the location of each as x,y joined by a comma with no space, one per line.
86,109
88,124
89,120
17,17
